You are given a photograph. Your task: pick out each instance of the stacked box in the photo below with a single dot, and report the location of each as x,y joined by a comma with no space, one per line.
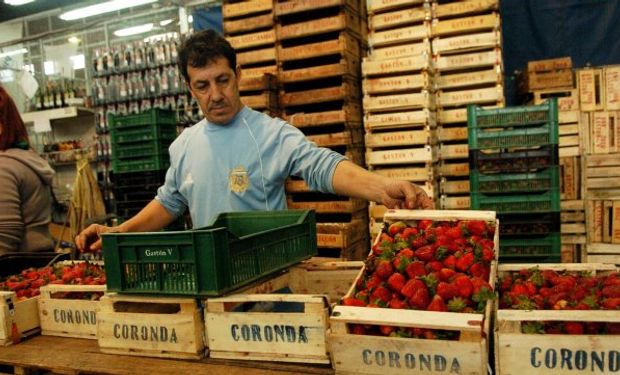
514,171
140,156
468,66
319,56
399,104
550,75
249,26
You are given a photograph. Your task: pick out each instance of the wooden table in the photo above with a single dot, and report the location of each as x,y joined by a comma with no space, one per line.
80,356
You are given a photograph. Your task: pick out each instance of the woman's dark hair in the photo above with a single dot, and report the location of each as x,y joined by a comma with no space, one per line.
203,48
13,128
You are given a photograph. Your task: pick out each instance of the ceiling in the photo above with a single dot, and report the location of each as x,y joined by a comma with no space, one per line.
9,12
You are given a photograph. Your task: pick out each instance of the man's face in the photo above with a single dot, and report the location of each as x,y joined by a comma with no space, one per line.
216,88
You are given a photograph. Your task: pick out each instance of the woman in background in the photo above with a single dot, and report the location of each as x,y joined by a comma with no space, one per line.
25,183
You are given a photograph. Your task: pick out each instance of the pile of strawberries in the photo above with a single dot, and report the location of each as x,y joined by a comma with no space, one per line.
27,283
535,289
427,265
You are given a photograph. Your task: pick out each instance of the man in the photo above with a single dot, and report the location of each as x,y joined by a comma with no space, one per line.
237,159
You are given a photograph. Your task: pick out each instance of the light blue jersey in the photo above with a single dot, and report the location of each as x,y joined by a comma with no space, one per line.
241,166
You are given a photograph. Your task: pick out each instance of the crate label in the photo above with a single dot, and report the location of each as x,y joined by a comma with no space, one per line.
600,136
400,51
466,23
615,222
313,27
481,40
469,60
397,18
550,64
398,35
612,88
159,254
395,65
376,5
255,39
147,333
394,83
75,317
421,361
464,7
409,174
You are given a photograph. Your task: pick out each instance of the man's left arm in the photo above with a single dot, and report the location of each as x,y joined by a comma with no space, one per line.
354,181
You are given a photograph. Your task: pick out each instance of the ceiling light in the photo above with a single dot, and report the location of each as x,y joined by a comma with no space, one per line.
48,68
17,2
14,52
74,39
108,6
165,22
134,30
190,18
78,61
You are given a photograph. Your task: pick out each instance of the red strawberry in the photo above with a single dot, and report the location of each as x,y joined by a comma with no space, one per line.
386,330
425,253
400,262
463,286
611,303
480,270
454,233
396,227
424,224
611,291
446,291
488,254
456,304
531,288
384,269
506,283
406,253
420,299
408,232
396,303
381,293
418,242
411,286
573,328
434,266
350,301
357,329
477,227
445,274
464,262
373,282
450,262
396,282
416,269
437,304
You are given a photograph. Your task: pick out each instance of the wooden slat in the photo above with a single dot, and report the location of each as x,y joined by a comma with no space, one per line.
350,112
403,156
256,39
455,203
399,36
487,77
345,43
467,43
399,138
454,169
591,94
549,64
449,152
248,24
377,6
257,56
245,8
399,102
298,6
342,21
346,67
410,173
393,66
612,88
477,96
466,25
401,83
398,18
460,8
469,60
392,120
404,50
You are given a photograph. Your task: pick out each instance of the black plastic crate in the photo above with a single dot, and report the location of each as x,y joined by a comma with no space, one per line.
148,180
528,225
531,250
514,161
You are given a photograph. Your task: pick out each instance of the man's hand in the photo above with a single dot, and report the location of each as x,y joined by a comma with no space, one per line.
404,194
84,240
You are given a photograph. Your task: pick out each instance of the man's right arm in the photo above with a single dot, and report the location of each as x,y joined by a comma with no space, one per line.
151,218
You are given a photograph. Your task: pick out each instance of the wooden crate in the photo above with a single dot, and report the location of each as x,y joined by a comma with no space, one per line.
245,8
455,202
349,113
378,6
459,115
401,65
398,102
256,56
550,65
364,354
487,59
603,253
456,151
419,173
467,43
573,218
265,82
18,318
256,39
347,91
590,83
519,353
394,120
329,207
399,36
150,326
456,187
298,6
348,66
403,50
603,132
602,176
559,79
323,276
612,87
445,134
248,24
461,8
489,95
399,18
487,77
69,317
454,169
400,83
265,100
424,154
340,235
345,20
346,43
345,138
570,178
260,71
399,138
568,100
466,25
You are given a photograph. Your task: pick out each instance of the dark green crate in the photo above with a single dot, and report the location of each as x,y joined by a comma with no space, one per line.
140,149
153,116
517,203
546,179
527,250
237,249
142,134
546,134
547,112
150,163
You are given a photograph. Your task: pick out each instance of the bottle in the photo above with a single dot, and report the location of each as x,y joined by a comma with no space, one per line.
139,55
128,60
106,61
95,62
174,54
39,99
164,84
70,93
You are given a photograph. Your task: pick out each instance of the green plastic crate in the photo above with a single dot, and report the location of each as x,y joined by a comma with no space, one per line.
153,116
151,163
140,149
143,133
545,249
237,249
517,203
546,179
547,112
546,134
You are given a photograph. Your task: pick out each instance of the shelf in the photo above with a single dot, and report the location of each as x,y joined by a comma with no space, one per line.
41,119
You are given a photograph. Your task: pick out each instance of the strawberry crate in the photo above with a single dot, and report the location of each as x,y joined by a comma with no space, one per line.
517,352
143,133
141,149
154,162
19,318
516,182
514,161
375,354
153,116
520,203
546,134
543,249
529,225
478,117
237,249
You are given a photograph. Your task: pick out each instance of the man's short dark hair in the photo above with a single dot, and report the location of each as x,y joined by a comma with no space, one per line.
202,49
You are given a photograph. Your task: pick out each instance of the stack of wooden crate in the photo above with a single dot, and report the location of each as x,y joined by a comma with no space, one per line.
468,70
249,26
599,94
399,109
319,71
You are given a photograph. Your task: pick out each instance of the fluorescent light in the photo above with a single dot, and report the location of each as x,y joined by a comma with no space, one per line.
14,52
190,19
165,22
108,6
74,39
29,68
78,61
48,67
134,30
17,2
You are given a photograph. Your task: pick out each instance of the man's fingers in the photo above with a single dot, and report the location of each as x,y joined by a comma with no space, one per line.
96,246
